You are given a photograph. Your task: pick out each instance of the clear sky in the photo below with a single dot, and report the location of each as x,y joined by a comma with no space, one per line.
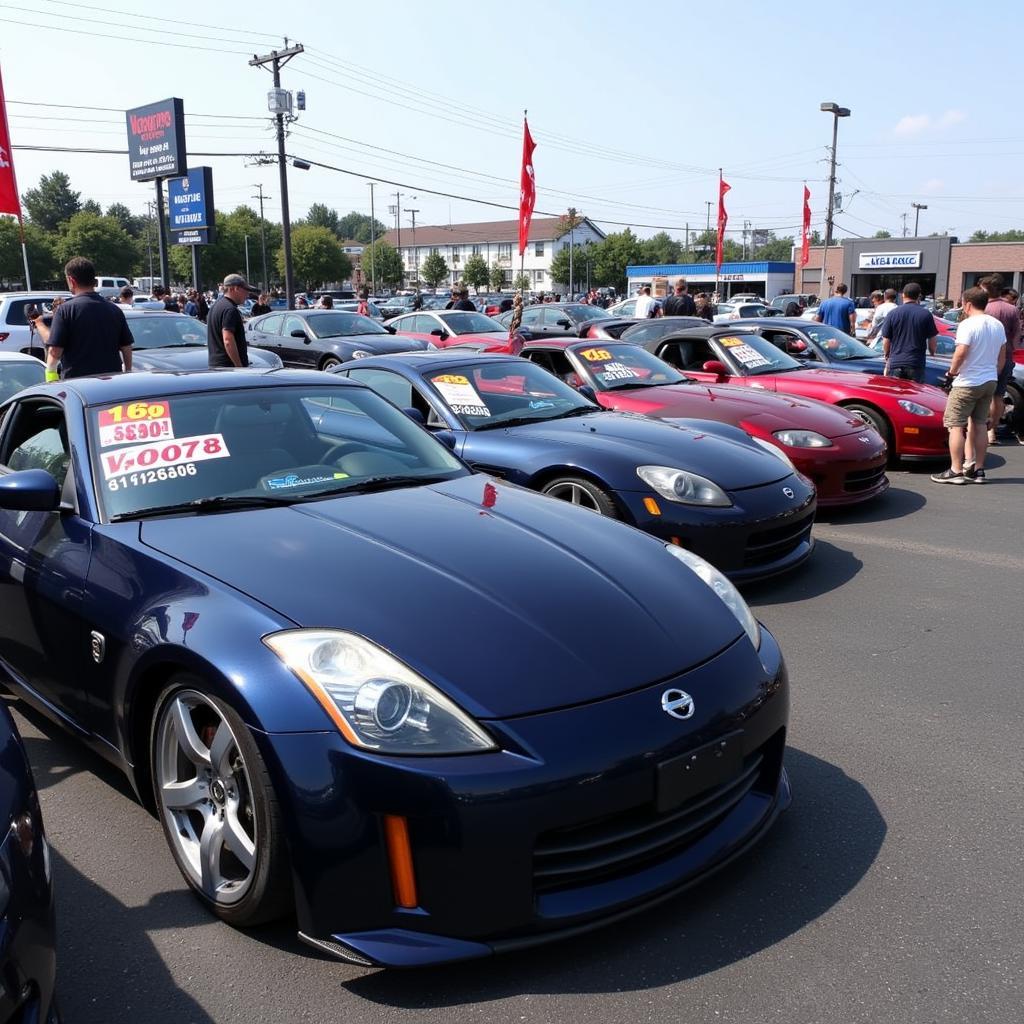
633,108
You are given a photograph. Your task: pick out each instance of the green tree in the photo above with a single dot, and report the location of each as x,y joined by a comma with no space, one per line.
356,226
521,282
226,254
383,264
1013,235
434,270
317,257
568,222
42,262
135,226
882,234
53,202
560,264
779,250
100,239
660,249
497,276
475,272
612,256
321,216
91,206
702,249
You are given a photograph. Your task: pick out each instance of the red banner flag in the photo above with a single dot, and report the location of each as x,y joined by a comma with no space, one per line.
527,188
805,238
9,202
723,219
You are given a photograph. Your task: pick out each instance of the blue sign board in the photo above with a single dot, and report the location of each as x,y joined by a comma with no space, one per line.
190,202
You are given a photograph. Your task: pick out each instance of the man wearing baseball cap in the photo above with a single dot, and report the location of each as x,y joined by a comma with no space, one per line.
225,332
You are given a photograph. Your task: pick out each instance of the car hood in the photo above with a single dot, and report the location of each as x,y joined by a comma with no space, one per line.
511,602
882,387
376,344
191,357
730,403
632,440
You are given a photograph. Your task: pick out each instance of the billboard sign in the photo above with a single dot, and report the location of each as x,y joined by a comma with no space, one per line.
190,201
199,236
156,140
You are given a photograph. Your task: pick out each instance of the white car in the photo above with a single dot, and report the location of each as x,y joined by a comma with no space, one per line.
16,335
726,311
747,297
110,286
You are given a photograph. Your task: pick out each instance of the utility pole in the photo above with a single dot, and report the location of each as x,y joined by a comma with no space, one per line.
277,59
746,229
709,204
263,236
837,112
918,207
572,227
149,241
373,244
248,276
396,209
904,216
415,251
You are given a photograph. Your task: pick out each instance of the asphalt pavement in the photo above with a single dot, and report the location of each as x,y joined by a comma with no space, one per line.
891,891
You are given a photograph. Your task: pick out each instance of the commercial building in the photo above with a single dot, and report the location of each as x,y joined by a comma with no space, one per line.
498,243
766,279
942,265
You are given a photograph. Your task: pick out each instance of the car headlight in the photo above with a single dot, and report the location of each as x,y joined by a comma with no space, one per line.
361,353
774,450
914,409
802,438
375,701
723,588
683,486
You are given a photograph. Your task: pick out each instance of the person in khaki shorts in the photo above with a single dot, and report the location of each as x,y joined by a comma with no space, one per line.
978,358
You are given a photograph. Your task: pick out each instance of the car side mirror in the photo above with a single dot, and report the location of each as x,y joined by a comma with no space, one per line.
300,334
447,438
717,368
390,329
564,323
439,332
416,416
587,392
29,490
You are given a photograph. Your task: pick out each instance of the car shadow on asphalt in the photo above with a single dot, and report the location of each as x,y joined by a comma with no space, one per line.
818,852
828,569
896,503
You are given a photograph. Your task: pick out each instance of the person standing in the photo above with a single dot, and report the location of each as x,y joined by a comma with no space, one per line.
363,308
126,297
909,335
645,305
261,305
464,302
884,303
225,332
680,303
839,312
88,334
1006,313
977,360
191,306
705,308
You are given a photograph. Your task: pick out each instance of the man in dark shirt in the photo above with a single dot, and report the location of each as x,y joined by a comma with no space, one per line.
225,332
681,303
908,336
464,302
88,334
261,305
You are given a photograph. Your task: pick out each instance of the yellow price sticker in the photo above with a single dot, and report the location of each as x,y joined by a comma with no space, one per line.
732,342
596,355
451,378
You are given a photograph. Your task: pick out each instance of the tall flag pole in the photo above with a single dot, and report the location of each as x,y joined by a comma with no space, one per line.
723,219
805,238
9,201
527,191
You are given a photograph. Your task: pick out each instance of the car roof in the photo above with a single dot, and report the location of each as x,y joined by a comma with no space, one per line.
40,293
428,360
18,357
124,387
136,313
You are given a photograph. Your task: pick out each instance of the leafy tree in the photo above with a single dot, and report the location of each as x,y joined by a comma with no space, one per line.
100,239
53,202
475,272
135,226
1013,235
42,262
702,249
434,270
91,206
382,262
560,264
497,276
778,249
612,256
882,234
660,249
316,256
321,216
226,255
568,222
357,227
521,282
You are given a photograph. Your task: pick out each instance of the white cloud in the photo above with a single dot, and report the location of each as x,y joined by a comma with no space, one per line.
912,124
933,186
951,117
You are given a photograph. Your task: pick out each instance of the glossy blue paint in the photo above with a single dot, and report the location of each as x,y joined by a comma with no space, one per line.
31,490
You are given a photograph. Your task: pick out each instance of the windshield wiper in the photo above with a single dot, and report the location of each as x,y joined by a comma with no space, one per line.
516,421
215,504
583,410
645,384
378,483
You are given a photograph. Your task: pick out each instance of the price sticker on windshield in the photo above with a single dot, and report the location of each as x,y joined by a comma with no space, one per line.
460,395
596,355
135,422
748,356
731,342
161,455
618,371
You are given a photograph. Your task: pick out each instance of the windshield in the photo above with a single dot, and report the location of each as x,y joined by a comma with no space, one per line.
16,375
625,366
838,345
754,355
500,392
464,322
282,444
342,325
158,331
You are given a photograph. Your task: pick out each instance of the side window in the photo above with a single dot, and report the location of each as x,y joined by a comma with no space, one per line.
38,440
641,333
392,386
532,315
272,325
294,323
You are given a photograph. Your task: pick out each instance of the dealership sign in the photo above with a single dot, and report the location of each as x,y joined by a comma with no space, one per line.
190,203
889,260
156,140
200,236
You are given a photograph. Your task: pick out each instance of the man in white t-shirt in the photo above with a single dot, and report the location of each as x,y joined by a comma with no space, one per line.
978,358
884,304
645,305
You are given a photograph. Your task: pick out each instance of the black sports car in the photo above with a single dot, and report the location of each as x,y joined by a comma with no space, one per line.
174,341
558,319
322,338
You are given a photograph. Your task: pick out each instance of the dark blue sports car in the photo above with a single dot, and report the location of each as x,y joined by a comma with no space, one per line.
737,502
825,347
438,715
174,341
28,937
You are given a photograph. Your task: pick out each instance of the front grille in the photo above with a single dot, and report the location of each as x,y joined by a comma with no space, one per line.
863,479
629,841
768,546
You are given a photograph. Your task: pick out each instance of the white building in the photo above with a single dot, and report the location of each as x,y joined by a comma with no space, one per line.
497,242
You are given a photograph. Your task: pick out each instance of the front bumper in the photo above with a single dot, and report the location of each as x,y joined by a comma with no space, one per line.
924,438
558,832
849,472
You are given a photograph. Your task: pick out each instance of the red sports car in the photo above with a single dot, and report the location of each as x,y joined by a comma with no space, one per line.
843,457
907,415
447,327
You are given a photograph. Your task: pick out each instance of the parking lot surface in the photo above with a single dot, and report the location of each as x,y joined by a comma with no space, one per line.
891,891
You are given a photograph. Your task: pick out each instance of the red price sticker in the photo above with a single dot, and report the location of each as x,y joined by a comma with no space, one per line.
172,453
136,422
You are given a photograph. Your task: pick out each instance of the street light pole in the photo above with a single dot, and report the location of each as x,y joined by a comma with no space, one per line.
837,112
263,236
415,251
373,244
709,204
248,276
918,207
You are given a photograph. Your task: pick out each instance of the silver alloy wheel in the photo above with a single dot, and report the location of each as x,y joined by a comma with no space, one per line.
572,492
206,797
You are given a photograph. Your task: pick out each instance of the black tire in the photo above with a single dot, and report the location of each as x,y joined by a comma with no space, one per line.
1014,415
328,361
580,491
268,892
876,420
